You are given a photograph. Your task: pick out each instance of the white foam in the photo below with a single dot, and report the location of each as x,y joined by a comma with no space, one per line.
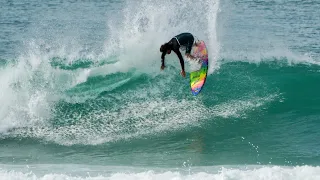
258,173
140,117
278,54
30,86
213,43
238,108
139,30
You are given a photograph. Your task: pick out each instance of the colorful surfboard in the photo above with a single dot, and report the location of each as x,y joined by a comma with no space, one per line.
198,78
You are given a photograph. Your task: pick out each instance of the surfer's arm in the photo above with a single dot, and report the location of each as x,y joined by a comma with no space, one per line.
180,58
162,58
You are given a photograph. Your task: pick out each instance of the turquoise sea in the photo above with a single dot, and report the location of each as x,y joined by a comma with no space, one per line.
83,97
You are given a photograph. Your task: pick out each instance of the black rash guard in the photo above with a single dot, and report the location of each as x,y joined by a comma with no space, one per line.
184,39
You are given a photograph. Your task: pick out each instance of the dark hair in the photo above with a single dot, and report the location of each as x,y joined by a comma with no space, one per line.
163,47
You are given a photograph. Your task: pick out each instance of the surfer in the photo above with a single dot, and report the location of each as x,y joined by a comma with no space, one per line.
185,40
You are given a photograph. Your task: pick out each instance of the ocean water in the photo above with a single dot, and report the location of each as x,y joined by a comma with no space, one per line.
82,95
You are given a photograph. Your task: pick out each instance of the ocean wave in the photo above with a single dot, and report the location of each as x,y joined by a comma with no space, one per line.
257,173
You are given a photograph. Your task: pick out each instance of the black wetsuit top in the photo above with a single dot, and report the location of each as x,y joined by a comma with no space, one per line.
184,39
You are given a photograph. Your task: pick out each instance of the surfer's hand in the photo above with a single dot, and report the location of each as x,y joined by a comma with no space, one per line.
183,73
190,56
162,67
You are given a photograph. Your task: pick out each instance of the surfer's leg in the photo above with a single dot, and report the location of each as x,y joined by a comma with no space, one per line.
189,45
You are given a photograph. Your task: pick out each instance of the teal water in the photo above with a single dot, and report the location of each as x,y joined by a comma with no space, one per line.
82,94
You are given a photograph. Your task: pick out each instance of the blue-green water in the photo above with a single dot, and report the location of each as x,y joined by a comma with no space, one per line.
82,95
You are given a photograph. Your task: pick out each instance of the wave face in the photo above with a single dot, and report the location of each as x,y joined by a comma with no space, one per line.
82,95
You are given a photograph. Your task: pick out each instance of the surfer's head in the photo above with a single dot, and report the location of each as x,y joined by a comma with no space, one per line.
165,48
